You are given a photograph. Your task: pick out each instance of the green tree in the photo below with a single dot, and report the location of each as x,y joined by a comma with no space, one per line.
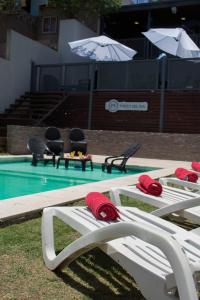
97,7
7,5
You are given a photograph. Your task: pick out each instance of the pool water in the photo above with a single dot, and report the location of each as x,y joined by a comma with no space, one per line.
21,178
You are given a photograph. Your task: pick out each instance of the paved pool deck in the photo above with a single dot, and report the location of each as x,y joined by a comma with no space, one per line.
26,205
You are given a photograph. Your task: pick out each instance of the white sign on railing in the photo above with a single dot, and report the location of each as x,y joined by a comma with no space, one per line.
114,105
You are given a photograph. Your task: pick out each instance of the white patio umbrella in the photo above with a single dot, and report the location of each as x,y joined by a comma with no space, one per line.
174,41
102,48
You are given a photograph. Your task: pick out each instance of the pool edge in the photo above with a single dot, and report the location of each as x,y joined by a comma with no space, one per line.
31,204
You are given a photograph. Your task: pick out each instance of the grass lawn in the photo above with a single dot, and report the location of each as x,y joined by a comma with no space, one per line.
92,276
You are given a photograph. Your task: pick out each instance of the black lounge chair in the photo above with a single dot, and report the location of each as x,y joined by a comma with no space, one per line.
120,161
38,148
54,141
77,141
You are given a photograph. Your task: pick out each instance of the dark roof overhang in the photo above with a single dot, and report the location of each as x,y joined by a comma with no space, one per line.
158,5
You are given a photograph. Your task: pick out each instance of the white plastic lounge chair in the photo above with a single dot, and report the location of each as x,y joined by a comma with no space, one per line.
172,200
162,257
190,186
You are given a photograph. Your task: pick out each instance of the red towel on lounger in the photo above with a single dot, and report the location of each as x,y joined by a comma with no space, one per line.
101,206
149,186
187,175
195,166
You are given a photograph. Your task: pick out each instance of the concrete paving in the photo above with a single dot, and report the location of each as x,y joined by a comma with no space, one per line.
25,205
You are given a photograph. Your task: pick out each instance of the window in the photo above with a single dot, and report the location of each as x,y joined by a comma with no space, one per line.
49,24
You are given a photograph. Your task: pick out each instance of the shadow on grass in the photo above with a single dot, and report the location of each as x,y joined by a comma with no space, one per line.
97,276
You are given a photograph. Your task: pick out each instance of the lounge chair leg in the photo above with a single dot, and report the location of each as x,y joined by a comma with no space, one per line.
34,162
109,169
54,160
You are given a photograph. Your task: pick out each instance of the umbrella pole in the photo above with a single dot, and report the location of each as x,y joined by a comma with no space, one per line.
162,95
91,95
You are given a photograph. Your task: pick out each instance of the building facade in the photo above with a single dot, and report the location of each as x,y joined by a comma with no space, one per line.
140,15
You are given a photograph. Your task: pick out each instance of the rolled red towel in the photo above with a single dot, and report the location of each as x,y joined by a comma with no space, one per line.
187,175
149,186
195,166
101,206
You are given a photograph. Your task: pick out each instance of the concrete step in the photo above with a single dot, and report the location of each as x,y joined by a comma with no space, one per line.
15,115
19,105
20,101
41,103
20,110
44,102
45,97
46,94
35,105
41,110
37,115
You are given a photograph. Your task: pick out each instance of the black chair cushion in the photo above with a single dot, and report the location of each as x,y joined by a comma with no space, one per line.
52,133
76,134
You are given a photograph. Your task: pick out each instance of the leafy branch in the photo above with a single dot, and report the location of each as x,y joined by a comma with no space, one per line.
97,7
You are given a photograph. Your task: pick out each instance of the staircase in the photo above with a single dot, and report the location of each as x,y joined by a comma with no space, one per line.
31,109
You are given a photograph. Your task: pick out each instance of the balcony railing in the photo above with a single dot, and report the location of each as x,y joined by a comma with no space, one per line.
181,74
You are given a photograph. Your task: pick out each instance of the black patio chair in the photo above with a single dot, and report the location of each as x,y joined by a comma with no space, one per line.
54,141
38,148
77,141
120,161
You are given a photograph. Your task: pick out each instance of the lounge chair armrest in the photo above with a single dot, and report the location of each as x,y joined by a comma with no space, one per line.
181,183
111,157
166,210
114,194
128,191
116,159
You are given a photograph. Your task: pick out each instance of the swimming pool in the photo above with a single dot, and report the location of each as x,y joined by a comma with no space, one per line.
21,178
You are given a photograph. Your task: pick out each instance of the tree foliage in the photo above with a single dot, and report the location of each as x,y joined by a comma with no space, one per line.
97,7
73,7
7,5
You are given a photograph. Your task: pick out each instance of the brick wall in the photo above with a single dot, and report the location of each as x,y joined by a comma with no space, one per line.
154,145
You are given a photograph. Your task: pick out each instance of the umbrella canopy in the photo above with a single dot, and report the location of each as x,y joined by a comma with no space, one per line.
102,48
174,41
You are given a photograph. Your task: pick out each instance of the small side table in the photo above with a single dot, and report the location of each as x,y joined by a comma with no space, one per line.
82,161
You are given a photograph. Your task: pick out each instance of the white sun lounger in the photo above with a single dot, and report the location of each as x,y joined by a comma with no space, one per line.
172,200
161,256
189,186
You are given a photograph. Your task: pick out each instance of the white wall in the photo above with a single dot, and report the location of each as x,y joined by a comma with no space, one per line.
15,73
72,30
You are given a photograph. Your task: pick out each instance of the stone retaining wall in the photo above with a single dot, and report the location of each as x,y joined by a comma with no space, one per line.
103,142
